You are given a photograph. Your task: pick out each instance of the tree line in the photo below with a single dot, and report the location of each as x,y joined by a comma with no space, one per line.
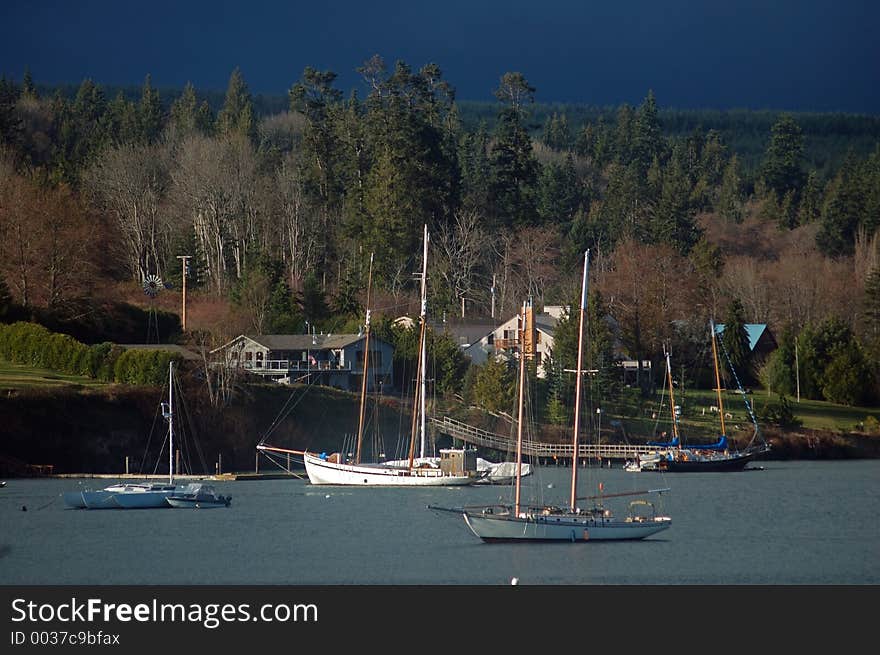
281,211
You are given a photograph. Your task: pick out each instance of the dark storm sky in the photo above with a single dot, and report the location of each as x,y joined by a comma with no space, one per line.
812,55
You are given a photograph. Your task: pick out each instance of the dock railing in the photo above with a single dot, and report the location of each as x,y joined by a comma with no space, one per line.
533,448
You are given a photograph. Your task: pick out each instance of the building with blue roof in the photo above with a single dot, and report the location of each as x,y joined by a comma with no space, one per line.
761,339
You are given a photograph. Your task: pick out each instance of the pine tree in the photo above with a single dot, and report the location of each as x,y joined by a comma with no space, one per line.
236,115
735,341
28,89
149,112
781,170
841,211
730,204
514,167
647,139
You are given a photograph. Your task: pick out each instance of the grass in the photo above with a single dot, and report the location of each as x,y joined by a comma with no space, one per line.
19,376
698,418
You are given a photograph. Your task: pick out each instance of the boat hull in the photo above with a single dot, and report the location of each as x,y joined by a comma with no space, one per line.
121,496
143,499
190,503
99,499
324,472
74,499
712,463
505,527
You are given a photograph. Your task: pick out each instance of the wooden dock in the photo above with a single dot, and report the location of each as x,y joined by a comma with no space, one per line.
532,448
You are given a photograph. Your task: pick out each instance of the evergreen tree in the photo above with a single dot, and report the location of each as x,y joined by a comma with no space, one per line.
647,139
557,134
149,113
848,378
735,342
313,304
190,117
556,411
730,204
557,198
514,168
811,200
494,386
622,140
28,89
781,170
841,211
122,120
674,221
779,373
237,114
473,157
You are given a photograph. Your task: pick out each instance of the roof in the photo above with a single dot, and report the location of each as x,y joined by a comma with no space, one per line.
306,341
754,330
467,333
186,353
546,323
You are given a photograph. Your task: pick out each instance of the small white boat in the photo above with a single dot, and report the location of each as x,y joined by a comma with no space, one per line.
133,495
198,496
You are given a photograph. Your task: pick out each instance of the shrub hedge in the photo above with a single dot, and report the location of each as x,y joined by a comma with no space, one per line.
32,344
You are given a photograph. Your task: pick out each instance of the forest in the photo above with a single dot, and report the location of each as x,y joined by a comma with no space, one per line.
738,217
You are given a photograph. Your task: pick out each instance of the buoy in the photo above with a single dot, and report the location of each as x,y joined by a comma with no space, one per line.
514,581
23,508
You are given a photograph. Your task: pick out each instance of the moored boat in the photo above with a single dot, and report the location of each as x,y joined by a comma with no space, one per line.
198,496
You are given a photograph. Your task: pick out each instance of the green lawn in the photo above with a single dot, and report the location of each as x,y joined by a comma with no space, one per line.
699,418
18,376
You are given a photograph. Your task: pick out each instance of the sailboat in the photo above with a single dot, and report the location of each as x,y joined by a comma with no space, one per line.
134,495
457,466
718,456
519,522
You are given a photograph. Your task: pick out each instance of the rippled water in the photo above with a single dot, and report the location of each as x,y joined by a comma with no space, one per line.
790,523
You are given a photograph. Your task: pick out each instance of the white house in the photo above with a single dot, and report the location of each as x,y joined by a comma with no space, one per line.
332,360
479,342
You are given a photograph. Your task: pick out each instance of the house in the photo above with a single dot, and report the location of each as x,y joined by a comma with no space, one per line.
479,342
334,360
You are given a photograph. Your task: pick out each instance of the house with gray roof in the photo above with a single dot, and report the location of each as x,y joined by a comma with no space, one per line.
334,360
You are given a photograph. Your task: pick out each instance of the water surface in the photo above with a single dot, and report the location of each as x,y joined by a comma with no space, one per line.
793,523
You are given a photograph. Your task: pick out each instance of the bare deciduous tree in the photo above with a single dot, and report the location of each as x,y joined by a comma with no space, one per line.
130,182
215,186
299,233
459,249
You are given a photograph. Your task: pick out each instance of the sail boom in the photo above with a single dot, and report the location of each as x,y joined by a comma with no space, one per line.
625,493
275,449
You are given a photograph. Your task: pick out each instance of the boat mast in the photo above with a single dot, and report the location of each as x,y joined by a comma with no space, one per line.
672,401
577,384
717,376
170,423
424,348
519,429
418,421
360,435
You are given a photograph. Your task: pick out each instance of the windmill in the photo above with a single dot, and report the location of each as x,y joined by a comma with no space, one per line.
152,285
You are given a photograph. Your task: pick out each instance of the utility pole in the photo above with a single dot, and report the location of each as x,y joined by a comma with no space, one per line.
493,295
184,270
